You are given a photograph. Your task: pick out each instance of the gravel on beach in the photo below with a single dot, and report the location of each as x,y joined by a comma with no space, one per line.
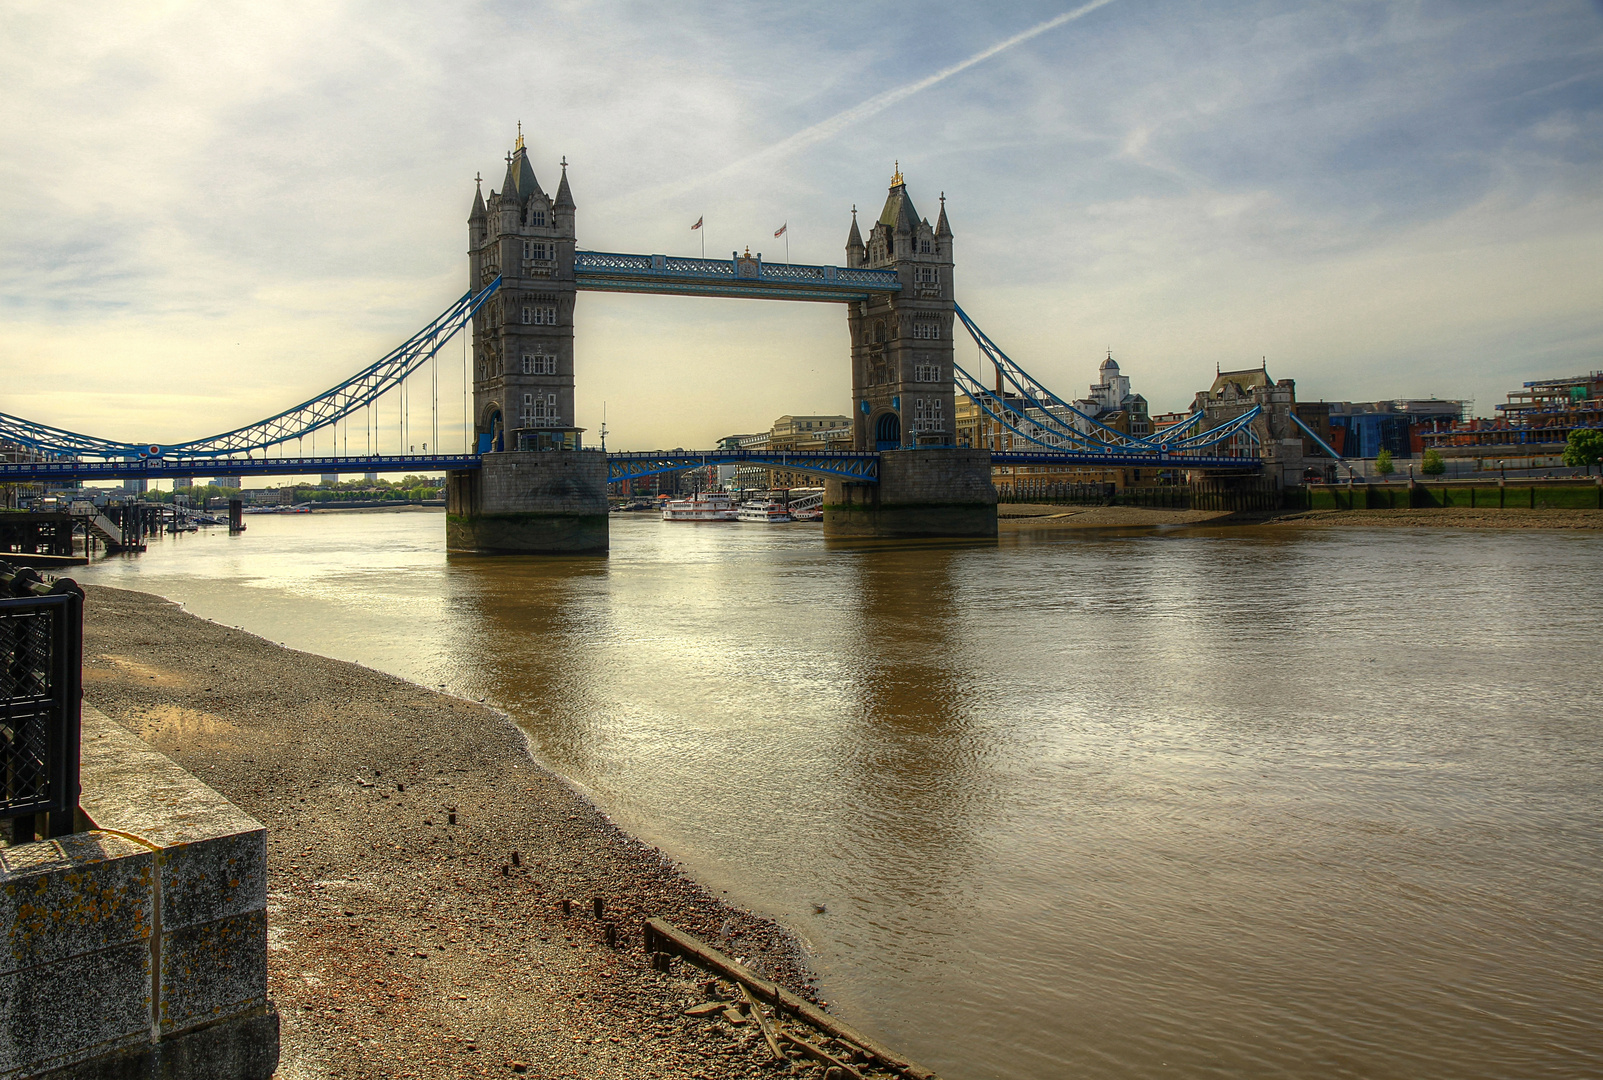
418,860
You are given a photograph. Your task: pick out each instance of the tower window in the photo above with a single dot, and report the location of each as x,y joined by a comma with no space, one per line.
536,364
927,275
926,373
923,247
926,329
537,217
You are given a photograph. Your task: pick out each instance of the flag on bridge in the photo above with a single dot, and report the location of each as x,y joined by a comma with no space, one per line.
697,225
781,231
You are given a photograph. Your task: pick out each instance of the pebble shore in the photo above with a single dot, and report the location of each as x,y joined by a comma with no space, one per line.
418,864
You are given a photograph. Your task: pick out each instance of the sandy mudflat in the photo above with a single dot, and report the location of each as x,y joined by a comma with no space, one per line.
1450,517
398,948
1032,515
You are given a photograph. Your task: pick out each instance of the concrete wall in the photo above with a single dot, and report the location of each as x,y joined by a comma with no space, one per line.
941,492
138,947
547,502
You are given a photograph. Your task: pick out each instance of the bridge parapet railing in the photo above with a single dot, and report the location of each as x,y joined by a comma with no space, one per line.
604,260
857,276
41,680
707,267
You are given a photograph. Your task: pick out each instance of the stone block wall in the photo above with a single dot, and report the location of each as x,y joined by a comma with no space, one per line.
529,502
137,947
936,492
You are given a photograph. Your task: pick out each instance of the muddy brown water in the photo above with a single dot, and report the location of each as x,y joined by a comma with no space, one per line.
1189,802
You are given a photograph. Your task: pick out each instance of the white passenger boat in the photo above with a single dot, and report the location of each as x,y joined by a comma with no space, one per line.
769,513
707,506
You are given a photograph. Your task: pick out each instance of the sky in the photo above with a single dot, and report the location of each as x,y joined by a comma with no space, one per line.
212,211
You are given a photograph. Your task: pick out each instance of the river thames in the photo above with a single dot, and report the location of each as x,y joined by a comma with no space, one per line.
1191,803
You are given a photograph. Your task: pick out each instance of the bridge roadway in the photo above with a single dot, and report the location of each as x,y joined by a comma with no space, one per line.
158,468
857,466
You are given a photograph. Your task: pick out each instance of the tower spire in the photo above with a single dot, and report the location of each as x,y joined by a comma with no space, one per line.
519,145
564,199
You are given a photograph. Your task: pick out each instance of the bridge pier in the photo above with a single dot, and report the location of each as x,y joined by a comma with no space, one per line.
529,502
936,492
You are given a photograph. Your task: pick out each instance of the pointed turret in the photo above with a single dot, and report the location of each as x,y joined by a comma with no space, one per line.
479,213
509,187
564,200
899,213
522,174
942,229
854,243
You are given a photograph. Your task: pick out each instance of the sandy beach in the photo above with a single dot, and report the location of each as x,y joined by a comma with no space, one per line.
1033,515
418,864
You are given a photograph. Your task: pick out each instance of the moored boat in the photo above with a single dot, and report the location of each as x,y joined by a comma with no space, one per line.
770,513
707,506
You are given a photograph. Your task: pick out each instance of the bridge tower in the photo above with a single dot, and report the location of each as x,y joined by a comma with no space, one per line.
903,389
538,489
902,342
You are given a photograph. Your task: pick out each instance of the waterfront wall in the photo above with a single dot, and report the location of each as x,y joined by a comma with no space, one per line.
539,502
137,946
1543,495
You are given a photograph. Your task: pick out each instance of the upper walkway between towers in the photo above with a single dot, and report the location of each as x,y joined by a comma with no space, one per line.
743,276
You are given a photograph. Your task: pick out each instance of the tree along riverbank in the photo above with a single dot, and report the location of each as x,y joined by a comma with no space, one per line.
417,864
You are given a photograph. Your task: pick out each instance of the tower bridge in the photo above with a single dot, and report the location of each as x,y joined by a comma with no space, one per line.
527,482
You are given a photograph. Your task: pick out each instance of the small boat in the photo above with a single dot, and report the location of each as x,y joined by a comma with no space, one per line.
708,506
769,513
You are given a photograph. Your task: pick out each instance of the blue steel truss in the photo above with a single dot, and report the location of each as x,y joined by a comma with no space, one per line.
1028,426
325,409
1037,396
861,466
749,277
1114,458
14,472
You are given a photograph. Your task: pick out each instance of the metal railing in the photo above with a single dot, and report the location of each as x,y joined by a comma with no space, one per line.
41,695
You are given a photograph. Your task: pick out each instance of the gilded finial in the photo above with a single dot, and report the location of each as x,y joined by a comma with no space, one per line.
520,136
896,178
748,252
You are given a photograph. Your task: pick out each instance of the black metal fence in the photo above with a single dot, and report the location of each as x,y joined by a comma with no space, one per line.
41,693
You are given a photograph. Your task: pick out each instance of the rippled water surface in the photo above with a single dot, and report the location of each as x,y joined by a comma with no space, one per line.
1192,804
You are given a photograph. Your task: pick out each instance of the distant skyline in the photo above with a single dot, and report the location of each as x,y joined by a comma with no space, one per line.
214,211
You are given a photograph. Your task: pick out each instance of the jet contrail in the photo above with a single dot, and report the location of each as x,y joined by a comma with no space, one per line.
880,102
833,125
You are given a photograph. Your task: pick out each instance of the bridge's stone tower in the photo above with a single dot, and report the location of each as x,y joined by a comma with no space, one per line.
537,491
523,337
902,342
903,394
